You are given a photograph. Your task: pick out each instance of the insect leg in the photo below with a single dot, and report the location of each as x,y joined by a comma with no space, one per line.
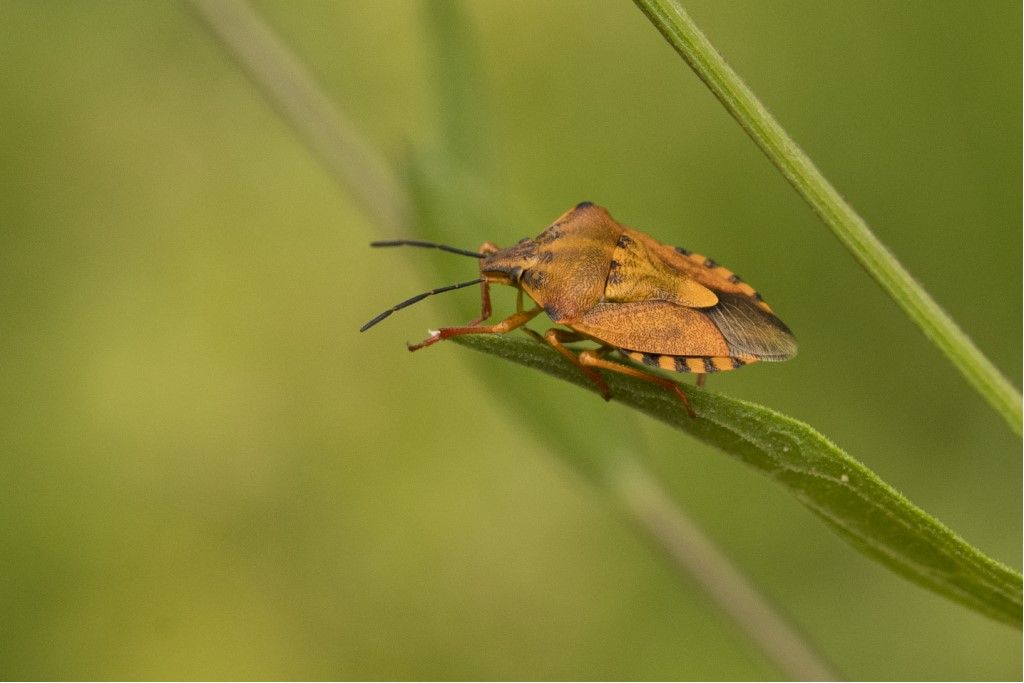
485,289
485,304
510,323
593,358
701,379
557,339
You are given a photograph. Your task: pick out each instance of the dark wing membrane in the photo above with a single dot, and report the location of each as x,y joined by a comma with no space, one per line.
749,329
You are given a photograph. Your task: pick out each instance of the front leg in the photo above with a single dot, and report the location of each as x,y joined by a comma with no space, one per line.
485,288
485,304
515,320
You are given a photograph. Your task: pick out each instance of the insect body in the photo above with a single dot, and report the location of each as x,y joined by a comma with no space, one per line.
659,306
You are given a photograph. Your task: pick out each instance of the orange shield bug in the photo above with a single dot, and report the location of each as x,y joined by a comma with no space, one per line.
659,306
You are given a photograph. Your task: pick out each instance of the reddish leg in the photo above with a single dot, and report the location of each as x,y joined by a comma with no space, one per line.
515,320
557,339
700,380
593,359
485,289
485,304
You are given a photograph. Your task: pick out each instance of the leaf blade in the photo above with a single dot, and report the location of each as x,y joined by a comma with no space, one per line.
866,511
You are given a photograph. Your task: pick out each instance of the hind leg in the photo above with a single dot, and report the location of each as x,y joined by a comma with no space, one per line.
592,358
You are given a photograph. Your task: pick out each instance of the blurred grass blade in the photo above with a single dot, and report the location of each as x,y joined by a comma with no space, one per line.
458,84
866,511
286,84
684,36
683,541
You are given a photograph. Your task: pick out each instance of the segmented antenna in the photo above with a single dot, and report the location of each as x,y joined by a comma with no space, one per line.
430,245
418,297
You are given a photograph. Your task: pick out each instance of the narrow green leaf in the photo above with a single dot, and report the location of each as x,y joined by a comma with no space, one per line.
865,510
683,35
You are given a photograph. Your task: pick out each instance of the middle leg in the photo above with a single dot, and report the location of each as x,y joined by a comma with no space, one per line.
558,339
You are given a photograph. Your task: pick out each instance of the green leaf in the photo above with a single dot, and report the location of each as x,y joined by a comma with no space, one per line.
686,38
852,499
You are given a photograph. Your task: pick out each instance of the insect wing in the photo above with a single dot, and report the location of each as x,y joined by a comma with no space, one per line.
749,329
638,273
745,321
660,327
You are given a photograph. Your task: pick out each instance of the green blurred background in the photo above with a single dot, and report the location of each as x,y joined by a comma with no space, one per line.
207,472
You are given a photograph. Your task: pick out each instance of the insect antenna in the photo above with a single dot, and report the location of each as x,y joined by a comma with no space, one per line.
418,297
429,245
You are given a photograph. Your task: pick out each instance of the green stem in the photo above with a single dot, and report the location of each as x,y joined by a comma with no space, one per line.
683,35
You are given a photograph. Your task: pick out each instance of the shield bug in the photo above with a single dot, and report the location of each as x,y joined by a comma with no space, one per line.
658,306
